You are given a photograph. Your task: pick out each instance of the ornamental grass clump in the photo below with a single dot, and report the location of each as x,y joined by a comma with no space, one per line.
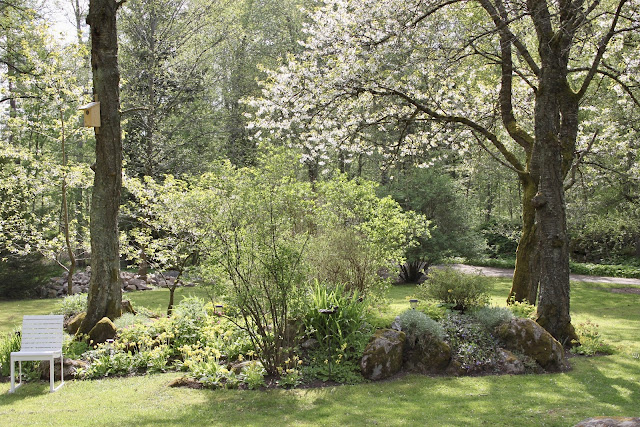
454,289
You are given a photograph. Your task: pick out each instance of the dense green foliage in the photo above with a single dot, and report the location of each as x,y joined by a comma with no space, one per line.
416,324
433,193
8,343
337,320
457,290
492,316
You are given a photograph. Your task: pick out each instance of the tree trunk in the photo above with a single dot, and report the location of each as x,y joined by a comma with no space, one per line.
525,276
555,118
105,293
553,306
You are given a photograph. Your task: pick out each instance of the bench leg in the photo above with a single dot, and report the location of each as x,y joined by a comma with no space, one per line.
51,377
14,386
61,370
13,376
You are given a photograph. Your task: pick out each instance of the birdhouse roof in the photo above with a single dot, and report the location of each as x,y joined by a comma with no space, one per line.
88,106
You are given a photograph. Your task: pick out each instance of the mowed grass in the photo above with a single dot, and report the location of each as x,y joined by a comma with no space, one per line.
11,312
598,386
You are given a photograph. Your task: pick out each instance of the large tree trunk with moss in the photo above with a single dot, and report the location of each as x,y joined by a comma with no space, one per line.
525,276
105,293
556,127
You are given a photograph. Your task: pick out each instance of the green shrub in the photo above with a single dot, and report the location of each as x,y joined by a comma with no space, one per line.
433,310
22,275
456,290
490,317
522,309
129,319
254,375
188,320
74,349
72,305
8,343
415,323
610,270
342,336
471,345
591,342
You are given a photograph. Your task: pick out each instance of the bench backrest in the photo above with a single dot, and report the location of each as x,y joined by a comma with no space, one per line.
42,333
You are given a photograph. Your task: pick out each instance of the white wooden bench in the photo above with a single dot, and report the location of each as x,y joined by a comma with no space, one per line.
41,340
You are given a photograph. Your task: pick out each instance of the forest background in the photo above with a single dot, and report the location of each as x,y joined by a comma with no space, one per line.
193,74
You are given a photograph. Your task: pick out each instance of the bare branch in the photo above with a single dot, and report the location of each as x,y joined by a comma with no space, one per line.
578,162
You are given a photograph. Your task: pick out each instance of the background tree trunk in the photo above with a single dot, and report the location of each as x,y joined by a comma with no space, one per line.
525,276
105,293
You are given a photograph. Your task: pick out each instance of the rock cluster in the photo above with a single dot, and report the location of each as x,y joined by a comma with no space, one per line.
57,287
388,352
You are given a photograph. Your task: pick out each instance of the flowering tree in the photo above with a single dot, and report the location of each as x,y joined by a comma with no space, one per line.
509,76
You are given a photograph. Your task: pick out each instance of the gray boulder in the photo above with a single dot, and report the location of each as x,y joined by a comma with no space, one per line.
509,364
610,422
103,331
527,337
427,355
72,368
382,358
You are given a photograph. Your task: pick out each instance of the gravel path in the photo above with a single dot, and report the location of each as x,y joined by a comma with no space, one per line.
508,272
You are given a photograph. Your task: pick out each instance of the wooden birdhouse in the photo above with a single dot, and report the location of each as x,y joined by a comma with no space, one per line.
91,114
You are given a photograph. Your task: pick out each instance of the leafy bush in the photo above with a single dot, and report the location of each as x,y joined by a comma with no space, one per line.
363,233
459,291
72,305
341,256
610,270
591,342
188,321
434,194
254,375
522,309
502,237
491,317
471,345
73,348
415,323
342,336
8,343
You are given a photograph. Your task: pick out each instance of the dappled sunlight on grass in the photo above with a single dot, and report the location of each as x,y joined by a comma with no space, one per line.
604,385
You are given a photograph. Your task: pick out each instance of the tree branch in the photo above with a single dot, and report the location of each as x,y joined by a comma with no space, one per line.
613,77
500,17
508,155
578,162
602,47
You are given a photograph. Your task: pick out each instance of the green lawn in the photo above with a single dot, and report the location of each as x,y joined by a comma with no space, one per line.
608,385
11,312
